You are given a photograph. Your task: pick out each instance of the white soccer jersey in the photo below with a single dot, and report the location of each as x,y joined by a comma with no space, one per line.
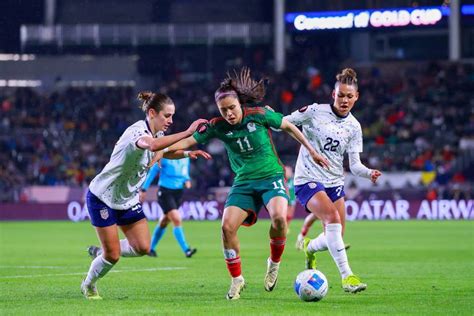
118,183
331,136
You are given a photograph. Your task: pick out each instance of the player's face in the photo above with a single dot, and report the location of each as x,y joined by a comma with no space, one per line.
345,97
162,120
230,109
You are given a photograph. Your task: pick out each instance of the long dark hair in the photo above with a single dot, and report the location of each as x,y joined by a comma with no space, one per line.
154,101
241,86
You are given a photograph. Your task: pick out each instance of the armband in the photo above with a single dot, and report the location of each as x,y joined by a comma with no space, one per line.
186,153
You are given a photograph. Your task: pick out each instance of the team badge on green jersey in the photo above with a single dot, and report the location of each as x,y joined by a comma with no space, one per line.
251,127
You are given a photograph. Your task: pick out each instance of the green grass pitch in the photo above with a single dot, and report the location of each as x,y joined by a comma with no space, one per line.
412,267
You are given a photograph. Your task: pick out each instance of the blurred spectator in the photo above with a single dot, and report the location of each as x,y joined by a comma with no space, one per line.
414,117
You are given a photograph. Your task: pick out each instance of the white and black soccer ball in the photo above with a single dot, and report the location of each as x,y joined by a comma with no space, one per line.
311,285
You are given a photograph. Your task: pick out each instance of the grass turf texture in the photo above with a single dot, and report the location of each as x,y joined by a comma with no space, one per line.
414,267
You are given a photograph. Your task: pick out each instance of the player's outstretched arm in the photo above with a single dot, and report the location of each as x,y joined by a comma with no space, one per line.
358,168
193,154
155,144
294,132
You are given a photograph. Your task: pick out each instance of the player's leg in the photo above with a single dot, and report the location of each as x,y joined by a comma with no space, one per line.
104,219
322,206
277,209
290,213
137,243
103,263
167,203
307,223
232,218
158,233
336,194
178,233
341,209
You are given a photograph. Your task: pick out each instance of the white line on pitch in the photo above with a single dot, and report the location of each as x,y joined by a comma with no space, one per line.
84,273
33,267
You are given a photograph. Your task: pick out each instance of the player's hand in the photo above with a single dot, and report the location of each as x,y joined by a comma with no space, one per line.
194,126
199,153
269,108
320,159
374,175
142,196
188,184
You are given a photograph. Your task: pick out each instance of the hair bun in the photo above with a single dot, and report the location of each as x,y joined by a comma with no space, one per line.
145,96
347,76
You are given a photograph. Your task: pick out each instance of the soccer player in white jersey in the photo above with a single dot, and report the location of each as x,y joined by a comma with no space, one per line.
113,198
334,130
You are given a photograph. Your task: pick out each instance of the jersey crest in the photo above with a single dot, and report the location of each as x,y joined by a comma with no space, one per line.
251,127
104,213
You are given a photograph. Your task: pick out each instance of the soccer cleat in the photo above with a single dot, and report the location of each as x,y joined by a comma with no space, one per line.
152,253
310,257
190,252
90,291
299,242
94,251
237,286
353,284
271,277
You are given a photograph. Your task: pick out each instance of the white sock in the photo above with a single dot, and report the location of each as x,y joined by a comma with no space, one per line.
99,268
337,249
126,250
318,244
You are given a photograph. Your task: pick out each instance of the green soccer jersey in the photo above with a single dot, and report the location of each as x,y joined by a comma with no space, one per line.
248,144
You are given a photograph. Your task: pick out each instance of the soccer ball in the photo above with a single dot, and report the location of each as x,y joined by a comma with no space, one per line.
311,285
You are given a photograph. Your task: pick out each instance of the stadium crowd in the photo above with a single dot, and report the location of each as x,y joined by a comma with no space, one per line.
416,117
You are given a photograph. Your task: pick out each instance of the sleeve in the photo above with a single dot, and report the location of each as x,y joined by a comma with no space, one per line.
205,133
356,143
356,166
134,133
302,115
273,119
150,176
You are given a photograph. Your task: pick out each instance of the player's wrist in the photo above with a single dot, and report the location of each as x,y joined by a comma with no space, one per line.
186,153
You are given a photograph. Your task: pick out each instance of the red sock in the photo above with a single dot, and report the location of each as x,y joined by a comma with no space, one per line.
234,267
277,245
304,231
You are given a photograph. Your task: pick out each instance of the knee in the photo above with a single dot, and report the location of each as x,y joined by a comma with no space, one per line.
164,221
332,216
176,221
142,249
279,222
228,230
111,256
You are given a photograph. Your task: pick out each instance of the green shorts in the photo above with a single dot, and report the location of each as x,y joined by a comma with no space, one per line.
252,195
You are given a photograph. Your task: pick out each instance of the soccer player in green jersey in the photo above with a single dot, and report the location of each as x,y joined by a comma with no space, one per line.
259,175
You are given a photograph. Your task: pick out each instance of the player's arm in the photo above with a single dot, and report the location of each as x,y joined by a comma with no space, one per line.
294,132
177,150
155,144
358,168
298,117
